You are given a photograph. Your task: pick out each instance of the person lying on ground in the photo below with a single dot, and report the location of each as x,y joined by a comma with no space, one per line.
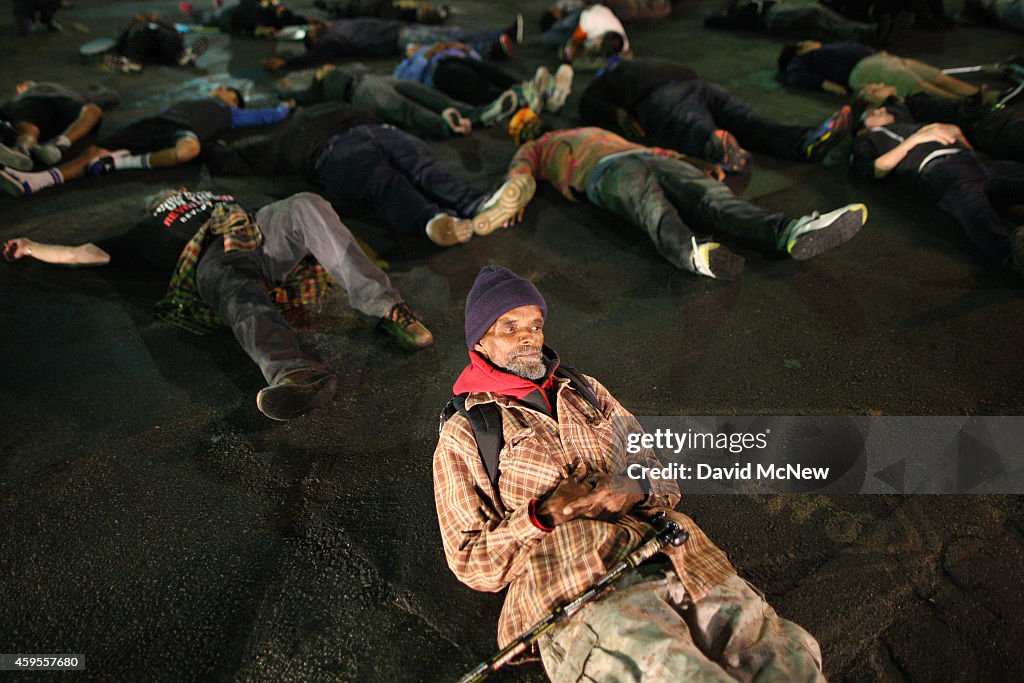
348,38
938,161
411,106
173,137
839,68
255,17
678,201
230,267
669,104
996,130
411,11
49,118
781,18
152,40
359,160
458,71
587,36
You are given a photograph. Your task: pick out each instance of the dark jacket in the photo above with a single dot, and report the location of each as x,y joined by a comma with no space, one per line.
292,146
624,85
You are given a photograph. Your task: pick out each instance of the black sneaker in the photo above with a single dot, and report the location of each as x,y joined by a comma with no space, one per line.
714,260
102,165
297,394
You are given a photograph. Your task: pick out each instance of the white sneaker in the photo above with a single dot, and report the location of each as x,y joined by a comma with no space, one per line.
540,84
446,230
815,234
560,89
505,204
15,158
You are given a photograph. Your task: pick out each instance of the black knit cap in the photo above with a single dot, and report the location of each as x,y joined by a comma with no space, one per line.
497,291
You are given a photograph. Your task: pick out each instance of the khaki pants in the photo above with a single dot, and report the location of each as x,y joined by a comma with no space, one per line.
649,630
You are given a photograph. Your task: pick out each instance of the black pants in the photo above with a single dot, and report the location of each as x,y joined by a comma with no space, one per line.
973,188
685,114
396,174
472,81
150,43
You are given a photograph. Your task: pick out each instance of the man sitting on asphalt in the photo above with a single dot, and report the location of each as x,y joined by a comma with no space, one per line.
558,511
938,161
357,159
229,267
173,137
671,105
50,112
668,195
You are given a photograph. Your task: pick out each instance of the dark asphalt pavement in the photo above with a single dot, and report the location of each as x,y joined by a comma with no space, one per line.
152,520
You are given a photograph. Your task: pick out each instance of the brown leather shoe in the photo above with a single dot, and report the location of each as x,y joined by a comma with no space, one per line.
297,394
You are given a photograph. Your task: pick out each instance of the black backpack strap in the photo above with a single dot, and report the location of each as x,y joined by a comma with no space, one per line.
580,383
485,418
485,421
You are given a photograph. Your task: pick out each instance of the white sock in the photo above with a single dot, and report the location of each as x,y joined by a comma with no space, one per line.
61,141
125,161
39,180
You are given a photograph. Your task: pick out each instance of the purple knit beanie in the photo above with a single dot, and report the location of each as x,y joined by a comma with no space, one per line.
497,291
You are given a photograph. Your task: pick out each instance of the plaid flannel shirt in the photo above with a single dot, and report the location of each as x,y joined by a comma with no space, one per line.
182,306
489,540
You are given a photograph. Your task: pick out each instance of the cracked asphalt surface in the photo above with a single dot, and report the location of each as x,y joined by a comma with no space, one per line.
152,520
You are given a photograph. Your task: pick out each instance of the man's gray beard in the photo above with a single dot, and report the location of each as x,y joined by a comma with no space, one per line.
527,369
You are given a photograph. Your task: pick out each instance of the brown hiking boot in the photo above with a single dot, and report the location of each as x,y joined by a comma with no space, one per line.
402,324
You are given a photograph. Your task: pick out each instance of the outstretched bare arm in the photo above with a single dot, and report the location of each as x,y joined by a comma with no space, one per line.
82,255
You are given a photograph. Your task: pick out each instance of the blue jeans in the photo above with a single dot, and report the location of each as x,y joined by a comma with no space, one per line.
683,115
971,187
235,284
395,173
559,33
671,199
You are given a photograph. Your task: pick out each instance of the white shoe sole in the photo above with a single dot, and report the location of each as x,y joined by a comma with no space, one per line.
507,202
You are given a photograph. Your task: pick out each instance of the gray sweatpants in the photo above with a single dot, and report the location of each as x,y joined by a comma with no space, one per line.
235,284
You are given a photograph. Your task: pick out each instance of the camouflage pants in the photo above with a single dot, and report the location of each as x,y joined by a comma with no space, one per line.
648,630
